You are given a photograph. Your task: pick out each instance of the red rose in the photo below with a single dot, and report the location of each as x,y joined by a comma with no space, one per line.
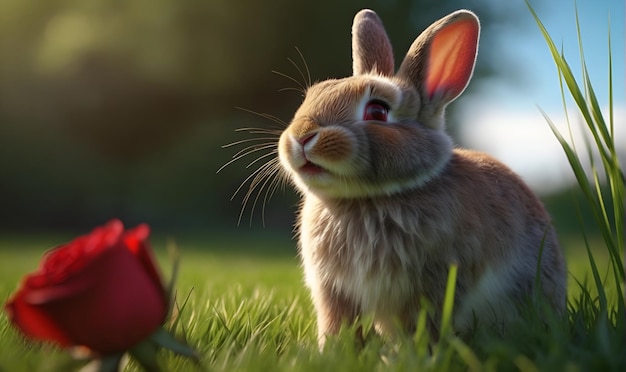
102,291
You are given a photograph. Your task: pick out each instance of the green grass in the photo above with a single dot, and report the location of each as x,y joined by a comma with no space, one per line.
245,308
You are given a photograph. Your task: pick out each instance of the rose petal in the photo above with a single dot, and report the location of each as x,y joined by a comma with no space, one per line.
103,237
141,232
67,258
135,240
33,322
37,296
122,307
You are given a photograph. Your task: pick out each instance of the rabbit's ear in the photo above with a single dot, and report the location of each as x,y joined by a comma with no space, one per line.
371,49
441,60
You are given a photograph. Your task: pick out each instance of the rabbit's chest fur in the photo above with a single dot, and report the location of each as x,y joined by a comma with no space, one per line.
373,251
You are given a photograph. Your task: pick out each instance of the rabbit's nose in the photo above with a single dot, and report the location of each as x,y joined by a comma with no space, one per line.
307,138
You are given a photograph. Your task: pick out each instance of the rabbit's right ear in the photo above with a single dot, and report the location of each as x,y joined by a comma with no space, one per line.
441,60
371,48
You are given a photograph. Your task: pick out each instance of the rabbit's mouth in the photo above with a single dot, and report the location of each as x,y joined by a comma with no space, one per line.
311,168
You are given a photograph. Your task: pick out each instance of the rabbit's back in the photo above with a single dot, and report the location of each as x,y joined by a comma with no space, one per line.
384,253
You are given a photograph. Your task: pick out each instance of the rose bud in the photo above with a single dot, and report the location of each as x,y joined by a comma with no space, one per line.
102,291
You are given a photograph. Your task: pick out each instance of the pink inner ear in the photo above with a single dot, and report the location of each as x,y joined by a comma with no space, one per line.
451,59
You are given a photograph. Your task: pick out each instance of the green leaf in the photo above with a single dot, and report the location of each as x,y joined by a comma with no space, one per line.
145,353
166,340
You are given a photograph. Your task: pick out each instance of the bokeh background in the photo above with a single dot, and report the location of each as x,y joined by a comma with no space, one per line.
120,108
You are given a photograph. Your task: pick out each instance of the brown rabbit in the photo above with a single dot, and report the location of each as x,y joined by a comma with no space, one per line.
389,204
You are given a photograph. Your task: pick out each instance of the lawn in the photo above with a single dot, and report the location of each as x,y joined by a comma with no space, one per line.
247,309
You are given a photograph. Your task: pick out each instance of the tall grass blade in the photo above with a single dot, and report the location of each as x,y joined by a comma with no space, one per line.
597,320
448,302
610,225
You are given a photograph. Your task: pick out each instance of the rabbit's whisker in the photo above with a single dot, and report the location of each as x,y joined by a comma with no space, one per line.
272,153
264,116
277,181
252,149
276,132
248,140
302,88
263,179
269,176
245,152
307,79
294,89
250,176
264,174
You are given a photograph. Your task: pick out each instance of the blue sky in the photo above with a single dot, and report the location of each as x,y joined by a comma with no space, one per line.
505,120
559,19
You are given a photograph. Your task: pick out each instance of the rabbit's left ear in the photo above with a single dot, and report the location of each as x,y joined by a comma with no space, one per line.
441,60
371,49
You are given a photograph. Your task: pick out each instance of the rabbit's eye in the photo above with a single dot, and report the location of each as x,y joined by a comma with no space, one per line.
376,110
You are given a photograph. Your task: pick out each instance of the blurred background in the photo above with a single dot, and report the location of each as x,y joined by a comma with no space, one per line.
119,109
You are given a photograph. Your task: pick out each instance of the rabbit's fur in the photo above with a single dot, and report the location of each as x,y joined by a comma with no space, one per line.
389,204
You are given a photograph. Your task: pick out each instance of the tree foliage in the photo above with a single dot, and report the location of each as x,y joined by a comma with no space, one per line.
120,108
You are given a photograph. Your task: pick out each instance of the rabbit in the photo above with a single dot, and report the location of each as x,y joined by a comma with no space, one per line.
389,204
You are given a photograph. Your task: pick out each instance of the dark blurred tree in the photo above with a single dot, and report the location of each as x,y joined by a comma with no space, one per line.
120,108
